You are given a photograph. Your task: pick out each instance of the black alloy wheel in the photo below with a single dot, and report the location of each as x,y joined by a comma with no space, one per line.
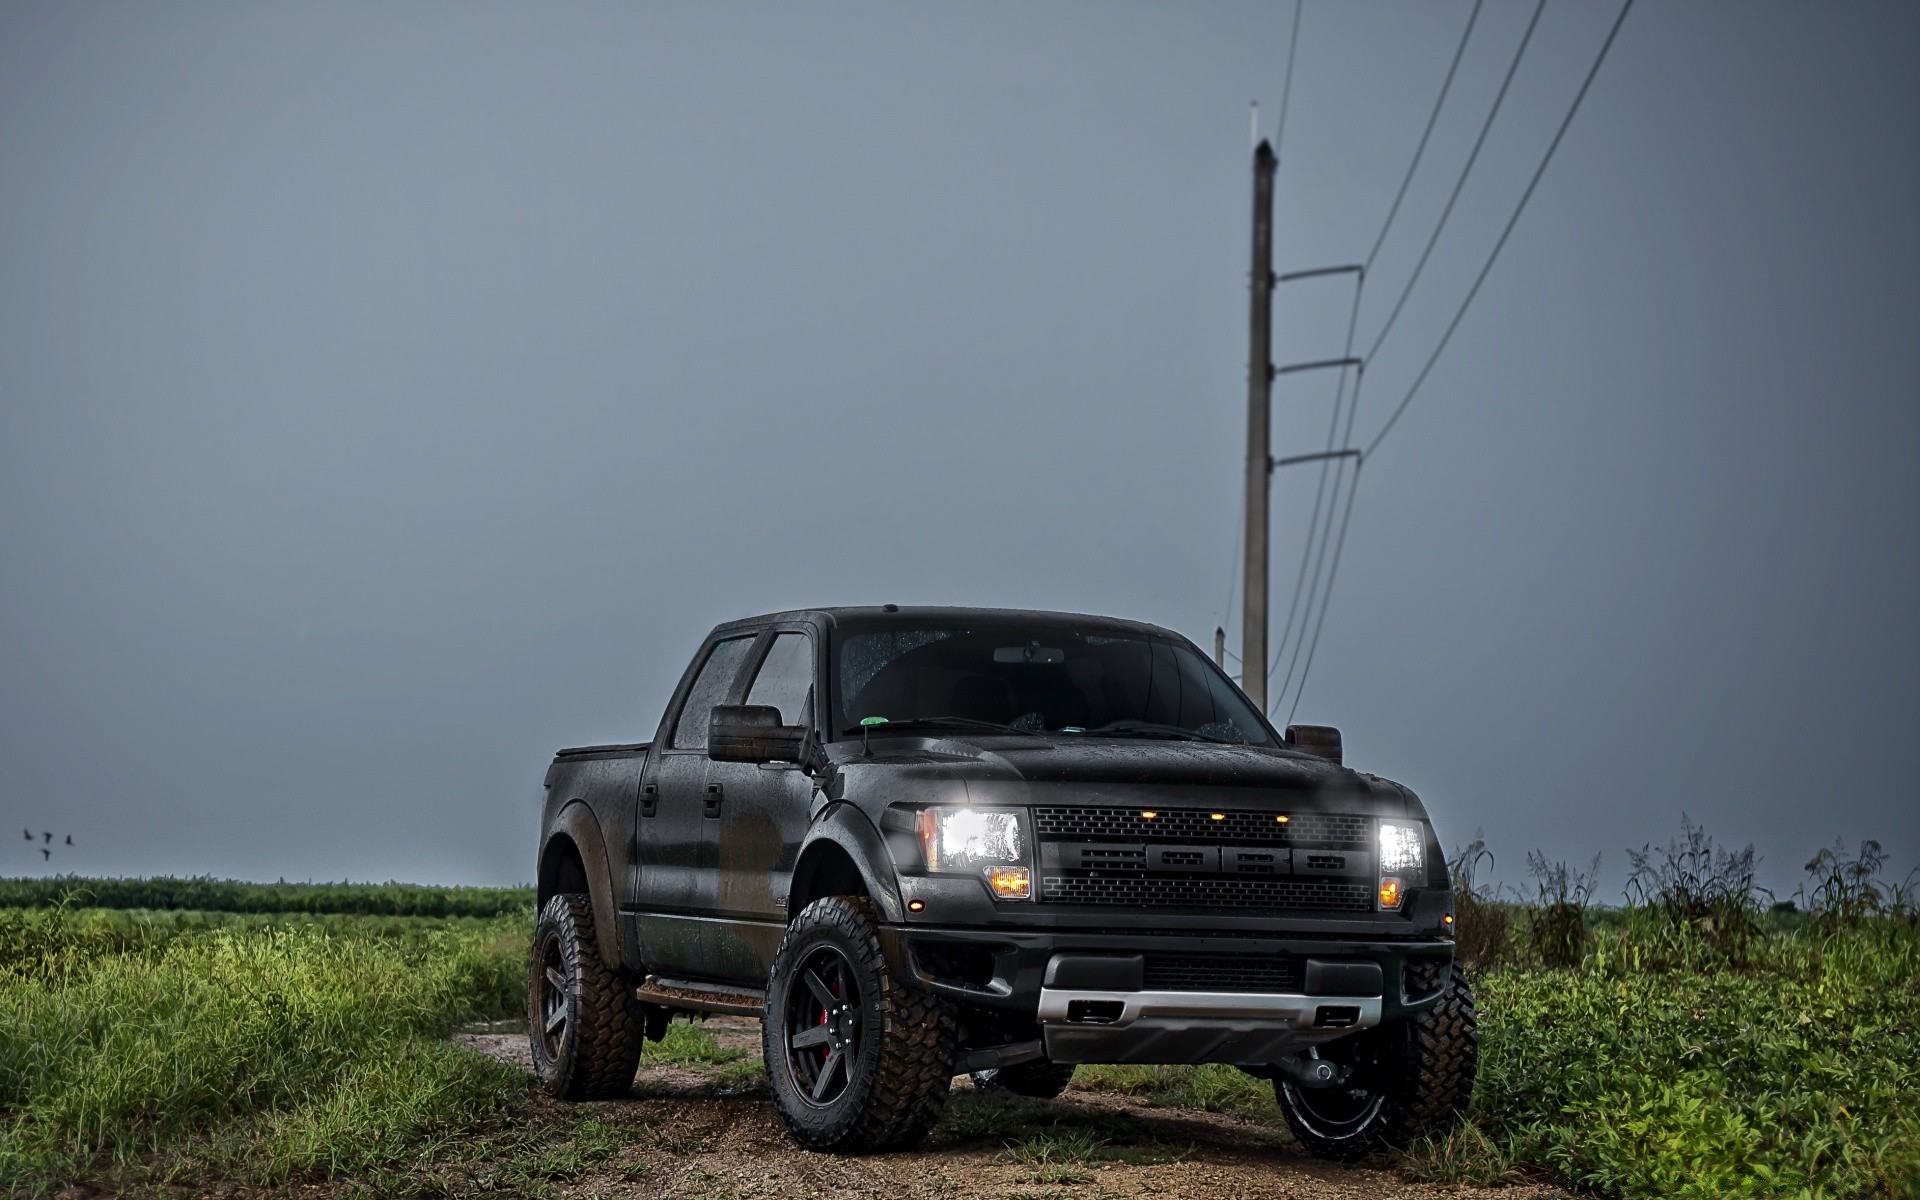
1336,1115
551,1024
1409,1079
858,1058
823,1026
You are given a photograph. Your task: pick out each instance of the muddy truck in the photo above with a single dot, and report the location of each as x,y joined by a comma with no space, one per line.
925,842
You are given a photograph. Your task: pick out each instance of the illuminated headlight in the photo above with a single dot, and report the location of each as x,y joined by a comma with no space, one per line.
988,842
1403,857
1403,850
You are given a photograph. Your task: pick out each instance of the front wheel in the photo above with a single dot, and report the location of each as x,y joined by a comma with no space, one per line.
857,1058
1408,1080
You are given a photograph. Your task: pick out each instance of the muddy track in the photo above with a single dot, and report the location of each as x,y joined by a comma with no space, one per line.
698,1135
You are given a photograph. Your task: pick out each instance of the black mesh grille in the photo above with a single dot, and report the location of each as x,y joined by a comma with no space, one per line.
1333,831
1177,892
1212,973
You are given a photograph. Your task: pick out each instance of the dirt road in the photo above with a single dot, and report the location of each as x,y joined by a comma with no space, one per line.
712,1133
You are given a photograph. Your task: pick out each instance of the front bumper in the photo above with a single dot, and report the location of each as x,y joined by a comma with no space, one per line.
1093,999
1078,1025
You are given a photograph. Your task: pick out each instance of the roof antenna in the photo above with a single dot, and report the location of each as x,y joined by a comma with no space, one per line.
1253,136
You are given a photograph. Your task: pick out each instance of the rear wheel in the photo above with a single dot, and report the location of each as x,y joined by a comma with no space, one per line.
857,1058
1408,1080
582,1019
1042,1078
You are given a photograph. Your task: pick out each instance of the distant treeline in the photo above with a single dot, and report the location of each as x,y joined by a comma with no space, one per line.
228,895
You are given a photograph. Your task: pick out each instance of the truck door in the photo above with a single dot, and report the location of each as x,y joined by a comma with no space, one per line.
763,814
676,893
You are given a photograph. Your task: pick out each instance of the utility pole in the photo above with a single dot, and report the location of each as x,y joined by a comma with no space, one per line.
1253,630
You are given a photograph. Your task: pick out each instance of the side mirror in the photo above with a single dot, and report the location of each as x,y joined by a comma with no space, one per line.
1321,740
753,733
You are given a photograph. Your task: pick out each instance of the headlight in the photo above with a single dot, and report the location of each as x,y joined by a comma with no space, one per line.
991,843
1403,859
1403,851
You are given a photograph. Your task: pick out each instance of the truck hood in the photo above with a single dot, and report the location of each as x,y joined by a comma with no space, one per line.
1000,769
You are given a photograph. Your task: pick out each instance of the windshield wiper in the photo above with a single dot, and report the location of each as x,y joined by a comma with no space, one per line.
1153,729
937,723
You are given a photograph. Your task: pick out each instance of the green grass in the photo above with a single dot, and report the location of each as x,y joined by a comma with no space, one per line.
1212,1088
142,1050
137,1047
1657,1068
688,1045
227,895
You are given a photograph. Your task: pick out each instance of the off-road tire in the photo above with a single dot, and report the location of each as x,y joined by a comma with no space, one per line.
1042,1078
1422,1069
594,1050
897,1056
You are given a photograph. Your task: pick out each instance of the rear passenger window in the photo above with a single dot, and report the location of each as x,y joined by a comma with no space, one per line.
786,676
709,688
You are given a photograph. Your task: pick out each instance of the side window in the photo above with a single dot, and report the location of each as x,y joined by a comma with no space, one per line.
709,688
786,676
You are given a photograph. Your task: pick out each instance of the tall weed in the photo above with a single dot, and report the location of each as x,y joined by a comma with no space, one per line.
1557,917
1480,920
1847,889
1706,893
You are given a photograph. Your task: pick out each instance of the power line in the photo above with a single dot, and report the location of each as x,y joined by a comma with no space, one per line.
1432,117
1339,548
1346,518
1286,82
1511,222
1320,489
1314,589
1461,183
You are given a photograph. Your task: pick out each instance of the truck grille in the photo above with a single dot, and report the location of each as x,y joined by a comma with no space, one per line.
1215,973
1332,831
1167,891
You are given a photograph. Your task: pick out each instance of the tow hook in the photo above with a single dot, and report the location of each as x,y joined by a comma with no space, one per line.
1312,1072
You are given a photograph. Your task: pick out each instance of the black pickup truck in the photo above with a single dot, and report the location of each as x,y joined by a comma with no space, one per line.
922,842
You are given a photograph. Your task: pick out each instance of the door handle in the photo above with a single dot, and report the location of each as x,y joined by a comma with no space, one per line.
715,794
650,800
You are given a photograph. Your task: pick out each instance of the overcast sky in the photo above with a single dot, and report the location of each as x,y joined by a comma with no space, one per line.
391,394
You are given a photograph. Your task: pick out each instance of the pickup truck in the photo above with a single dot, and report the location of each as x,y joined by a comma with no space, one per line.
925,842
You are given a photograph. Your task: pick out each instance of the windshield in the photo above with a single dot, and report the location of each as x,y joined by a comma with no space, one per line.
1038,678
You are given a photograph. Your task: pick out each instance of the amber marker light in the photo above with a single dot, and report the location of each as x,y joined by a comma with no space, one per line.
1219,816
1283,818
1390,892
1010,883
921,906
1148,814
1447,920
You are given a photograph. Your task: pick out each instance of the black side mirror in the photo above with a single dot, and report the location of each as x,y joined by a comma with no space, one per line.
1321,740
753,733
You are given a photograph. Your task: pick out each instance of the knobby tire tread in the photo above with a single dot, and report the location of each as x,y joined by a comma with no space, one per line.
609,1025
918,1033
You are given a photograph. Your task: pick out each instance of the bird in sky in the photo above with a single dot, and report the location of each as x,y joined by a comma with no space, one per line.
27,833
45,853
49,838
69,839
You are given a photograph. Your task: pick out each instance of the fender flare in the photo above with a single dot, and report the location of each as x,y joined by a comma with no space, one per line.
847,829
576,823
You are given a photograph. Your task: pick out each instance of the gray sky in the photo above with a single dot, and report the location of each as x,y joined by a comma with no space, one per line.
391,394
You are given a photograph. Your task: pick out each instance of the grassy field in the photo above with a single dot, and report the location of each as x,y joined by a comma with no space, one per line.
153,1050
226,895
